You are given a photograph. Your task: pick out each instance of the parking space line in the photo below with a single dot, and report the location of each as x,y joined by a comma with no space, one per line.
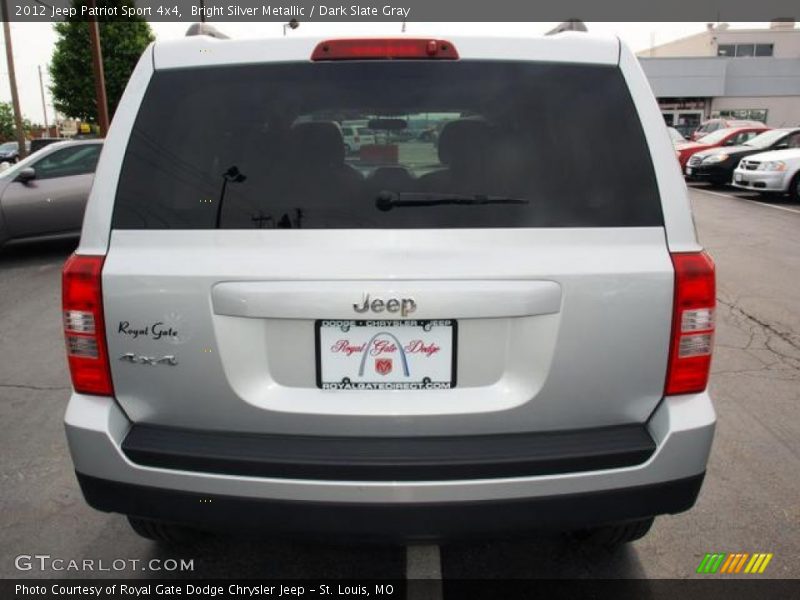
786,208
424,572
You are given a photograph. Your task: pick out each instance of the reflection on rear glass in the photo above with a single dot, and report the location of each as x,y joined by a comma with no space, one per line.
315,145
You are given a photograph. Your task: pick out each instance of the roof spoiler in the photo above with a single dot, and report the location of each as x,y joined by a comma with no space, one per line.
205,29
568,25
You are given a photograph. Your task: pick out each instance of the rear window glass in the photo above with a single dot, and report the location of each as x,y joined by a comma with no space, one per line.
451,144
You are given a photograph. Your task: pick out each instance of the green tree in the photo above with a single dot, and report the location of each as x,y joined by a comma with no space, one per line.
6,121
7,127
122,44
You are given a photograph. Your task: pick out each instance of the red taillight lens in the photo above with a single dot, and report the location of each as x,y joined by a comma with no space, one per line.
84,330
377,49
692,323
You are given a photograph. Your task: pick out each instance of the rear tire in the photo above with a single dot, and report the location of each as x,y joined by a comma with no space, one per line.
160,531
614,536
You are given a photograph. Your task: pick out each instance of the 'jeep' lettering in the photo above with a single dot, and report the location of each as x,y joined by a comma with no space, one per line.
405,306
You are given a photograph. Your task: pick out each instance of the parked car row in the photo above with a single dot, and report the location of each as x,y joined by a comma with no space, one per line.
734,136
763,160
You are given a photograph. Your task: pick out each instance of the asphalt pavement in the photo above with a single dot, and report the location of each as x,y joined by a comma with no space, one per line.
750,501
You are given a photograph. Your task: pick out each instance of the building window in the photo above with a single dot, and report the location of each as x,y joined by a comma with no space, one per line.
763,49
744,50
744,114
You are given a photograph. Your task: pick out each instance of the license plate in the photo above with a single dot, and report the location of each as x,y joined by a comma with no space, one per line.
688,170
386,355
737,177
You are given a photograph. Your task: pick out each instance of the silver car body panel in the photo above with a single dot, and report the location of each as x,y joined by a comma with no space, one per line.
555,300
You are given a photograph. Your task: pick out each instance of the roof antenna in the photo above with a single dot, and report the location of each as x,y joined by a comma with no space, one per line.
203,28
293,24
568,25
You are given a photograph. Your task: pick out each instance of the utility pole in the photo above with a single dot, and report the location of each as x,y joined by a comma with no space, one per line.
99,75
12,81
44,104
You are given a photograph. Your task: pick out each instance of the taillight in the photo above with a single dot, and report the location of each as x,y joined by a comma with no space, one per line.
377,49
692,323
84,330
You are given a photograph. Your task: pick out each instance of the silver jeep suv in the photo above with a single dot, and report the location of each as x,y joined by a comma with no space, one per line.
492,328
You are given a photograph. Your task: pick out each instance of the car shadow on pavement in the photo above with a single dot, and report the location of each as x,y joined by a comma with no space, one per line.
36,253
545,557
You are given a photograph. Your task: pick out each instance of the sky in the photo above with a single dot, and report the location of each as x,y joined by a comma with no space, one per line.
33,43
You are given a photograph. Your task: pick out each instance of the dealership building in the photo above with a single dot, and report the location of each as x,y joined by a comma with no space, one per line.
725,72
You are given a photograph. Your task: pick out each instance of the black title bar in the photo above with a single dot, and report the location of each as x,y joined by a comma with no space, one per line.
406,10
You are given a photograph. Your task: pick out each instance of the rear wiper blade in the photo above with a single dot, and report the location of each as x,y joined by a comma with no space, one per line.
388,200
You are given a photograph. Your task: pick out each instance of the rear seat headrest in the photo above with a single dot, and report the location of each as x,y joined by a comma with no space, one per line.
463,140
319,143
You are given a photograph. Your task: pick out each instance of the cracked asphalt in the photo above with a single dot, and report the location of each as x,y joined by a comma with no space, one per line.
750,501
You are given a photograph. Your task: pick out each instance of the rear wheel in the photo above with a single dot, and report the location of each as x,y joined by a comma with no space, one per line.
163,532
794,188
613,536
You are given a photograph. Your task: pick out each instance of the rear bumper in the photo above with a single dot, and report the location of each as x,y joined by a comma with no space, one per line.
341,458
667,481
391,521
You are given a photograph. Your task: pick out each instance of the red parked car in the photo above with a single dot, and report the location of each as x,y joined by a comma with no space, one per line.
733,136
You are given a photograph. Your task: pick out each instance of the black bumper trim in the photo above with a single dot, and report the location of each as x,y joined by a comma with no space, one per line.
400,521
389,459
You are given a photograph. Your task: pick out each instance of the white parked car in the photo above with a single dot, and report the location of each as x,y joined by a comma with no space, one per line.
356,135
777,171
492,332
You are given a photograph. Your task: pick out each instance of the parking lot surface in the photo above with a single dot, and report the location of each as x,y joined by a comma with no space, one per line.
750,501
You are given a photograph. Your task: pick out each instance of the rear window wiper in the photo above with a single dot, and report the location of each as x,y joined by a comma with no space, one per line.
388,200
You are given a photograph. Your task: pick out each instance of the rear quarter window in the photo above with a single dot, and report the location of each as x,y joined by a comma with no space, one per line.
457,144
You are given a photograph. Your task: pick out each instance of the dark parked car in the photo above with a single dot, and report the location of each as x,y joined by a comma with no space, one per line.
9,151
716,165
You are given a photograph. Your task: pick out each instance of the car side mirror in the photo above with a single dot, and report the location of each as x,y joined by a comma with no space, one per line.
782,146
730,143
26,175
